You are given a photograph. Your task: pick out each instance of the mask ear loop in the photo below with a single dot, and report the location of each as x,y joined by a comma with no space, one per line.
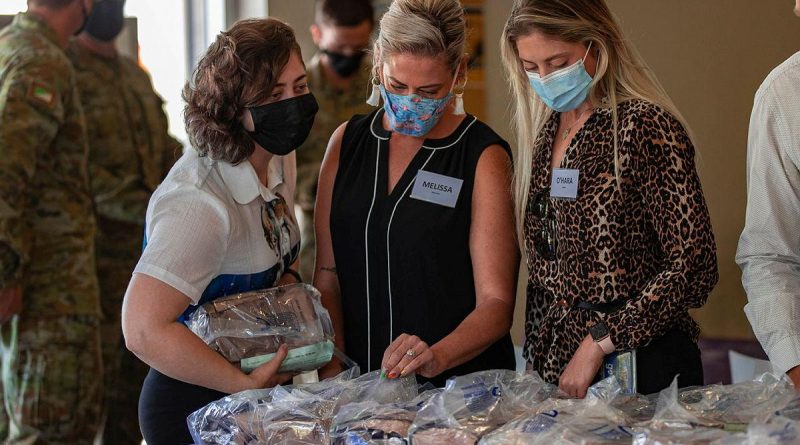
587,52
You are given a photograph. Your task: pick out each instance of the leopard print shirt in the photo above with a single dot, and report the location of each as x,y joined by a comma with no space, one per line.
648,241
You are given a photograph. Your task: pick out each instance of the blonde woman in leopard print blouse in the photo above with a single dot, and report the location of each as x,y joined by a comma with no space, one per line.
610,209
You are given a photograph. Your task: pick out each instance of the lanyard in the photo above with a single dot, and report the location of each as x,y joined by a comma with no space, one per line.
276,229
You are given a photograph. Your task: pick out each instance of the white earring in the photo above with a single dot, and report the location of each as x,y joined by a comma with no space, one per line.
458,110
375,97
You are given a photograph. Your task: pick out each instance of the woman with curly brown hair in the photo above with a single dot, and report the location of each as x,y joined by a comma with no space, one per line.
222,222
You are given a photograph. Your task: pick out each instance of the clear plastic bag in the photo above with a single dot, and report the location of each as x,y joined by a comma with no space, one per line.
686,436
300,414
473,405
372,423
592,420
248,328
243,417
730,407
778,430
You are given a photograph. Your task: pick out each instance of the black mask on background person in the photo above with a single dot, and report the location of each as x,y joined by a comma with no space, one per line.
281,127
343,65
106,20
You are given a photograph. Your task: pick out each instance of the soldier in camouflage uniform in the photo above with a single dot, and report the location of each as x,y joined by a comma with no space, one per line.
339,76
130,152
47,231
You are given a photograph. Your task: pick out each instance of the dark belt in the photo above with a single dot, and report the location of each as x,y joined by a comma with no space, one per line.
605,308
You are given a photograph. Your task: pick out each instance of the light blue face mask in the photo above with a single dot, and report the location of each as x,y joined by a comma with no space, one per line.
413,115
565,89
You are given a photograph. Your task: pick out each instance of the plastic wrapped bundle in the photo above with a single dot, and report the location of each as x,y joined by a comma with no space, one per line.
475,404
275,423
638,408
239,418
554,427
592,420
778,430
371,387
301,414
372,423
730,407
248,328
523,392
690,436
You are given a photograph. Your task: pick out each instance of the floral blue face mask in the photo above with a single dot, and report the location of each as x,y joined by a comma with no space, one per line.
565,89
413,115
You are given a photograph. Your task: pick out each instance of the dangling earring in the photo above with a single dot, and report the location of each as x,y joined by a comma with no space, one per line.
459,106
375,97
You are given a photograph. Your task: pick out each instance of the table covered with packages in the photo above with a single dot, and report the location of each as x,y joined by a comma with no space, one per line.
487,408
499,407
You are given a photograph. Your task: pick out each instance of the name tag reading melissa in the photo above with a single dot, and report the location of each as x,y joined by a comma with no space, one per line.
564,184
436,188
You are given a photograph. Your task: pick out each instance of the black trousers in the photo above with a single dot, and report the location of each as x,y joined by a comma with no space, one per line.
657,363
164,405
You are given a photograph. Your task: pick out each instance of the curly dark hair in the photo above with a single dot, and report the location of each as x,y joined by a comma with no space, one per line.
238,71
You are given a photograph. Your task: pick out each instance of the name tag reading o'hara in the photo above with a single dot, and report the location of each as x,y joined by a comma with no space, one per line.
564,184
436,188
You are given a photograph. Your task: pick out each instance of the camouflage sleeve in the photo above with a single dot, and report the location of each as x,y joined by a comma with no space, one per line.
173,148
9,265
168,148
31,111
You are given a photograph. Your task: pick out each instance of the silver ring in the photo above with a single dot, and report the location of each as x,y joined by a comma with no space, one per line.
411,353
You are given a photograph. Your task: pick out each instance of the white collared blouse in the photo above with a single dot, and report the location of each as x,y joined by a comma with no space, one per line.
213,229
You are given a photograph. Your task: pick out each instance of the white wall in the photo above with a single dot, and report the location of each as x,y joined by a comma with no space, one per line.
162,42
12,6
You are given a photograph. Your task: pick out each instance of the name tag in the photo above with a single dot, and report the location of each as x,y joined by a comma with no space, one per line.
435,188
564,184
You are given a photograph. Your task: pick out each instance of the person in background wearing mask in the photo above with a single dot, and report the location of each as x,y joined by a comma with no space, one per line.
47,231
417,260
769,248
609,206
221,223
339,76
130,152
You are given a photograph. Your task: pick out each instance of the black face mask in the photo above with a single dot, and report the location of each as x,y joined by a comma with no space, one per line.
343,65
106,20
281,127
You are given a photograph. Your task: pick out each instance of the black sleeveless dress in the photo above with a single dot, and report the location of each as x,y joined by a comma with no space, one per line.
404,264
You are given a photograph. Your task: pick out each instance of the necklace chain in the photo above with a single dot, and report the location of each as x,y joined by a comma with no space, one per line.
566,132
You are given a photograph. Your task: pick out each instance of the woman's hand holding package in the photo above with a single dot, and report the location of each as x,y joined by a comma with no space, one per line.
408,354
266,375
582,369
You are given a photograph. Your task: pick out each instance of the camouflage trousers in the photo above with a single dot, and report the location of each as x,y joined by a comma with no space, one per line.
118,247
52,380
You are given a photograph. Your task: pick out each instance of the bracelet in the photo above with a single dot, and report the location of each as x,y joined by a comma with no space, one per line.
607,345
295,274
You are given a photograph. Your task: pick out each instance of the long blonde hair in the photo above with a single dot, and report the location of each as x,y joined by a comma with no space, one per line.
621,75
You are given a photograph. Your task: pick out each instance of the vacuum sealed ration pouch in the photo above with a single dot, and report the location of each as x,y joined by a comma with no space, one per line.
248,328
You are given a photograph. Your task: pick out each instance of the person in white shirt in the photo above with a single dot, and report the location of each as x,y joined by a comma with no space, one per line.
221,223
769,248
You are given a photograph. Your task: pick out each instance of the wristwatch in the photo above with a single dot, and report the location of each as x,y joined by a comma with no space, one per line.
600,335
